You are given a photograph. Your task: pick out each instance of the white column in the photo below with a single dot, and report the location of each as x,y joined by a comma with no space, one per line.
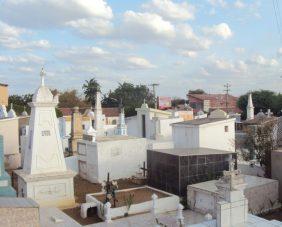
154,204
107,210
179,217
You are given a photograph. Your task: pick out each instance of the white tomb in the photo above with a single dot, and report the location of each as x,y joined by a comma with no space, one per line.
44,176
121,156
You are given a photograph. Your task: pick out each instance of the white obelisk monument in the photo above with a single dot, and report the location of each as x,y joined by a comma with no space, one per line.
44,176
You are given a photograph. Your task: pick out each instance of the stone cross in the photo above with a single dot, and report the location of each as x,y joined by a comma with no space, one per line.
144,169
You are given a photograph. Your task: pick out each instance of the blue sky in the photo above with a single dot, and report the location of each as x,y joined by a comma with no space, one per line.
179,44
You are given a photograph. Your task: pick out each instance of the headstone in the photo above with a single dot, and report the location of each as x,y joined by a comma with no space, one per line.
12,113
5,179
232,210
250,108
76,129
99,122
3,112
121,127
44,176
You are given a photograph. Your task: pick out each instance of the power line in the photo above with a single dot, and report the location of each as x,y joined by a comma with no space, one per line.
277,17
154,93
227,89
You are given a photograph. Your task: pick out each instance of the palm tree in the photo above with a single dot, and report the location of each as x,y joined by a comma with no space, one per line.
90,88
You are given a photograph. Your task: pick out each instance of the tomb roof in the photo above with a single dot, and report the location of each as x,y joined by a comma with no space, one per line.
201,121
114,138
192,151
6,202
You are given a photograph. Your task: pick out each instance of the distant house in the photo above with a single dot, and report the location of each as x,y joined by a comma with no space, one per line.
209,102
4,94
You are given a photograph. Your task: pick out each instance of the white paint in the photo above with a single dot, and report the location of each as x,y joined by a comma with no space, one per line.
44,176
165,204
210,135
107,154
250,108
157,123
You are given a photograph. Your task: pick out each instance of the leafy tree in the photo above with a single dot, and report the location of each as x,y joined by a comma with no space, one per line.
262,100
197,91
90,88
70,98
261,139
177,101
20,102
132,96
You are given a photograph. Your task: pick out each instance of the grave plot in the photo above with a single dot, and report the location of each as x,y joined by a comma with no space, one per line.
134,201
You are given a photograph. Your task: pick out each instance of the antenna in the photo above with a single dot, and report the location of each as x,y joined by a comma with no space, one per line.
154,85
227,89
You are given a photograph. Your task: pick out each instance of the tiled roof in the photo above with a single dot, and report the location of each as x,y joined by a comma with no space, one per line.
109,111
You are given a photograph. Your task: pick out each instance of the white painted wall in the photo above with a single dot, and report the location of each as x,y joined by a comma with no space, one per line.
210,135
121,158
72,163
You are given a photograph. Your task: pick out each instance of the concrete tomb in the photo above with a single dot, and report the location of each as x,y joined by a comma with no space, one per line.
172,170
44,176
5,179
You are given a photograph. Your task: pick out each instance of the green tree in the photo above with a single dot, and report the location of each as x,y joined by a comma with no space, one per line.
70,98
20,102
197,91
132,96
90,87
262,100
177,101
260,138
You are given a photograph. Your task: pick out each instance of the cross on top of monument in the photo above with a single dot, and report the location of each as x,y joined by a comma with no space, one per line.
42,75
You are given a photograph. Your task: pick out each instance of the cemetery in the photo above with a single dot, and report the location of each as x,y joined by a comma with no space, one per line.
154,169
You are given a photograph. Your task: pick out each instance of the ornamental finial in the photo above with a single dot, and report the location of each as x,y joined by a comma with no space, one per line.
42,74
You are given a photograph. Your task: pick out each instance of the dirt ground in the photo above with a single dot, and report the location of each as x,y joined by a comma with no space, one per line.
83,187
139,196
276,215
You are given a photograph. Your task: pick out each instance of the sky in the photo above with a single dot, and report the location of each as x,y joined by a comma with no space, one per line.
179,44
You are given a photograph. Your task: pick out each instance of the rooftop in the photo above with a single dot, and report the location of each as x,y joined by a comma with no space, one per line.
6,202
201,121
251,181
192,151
114,138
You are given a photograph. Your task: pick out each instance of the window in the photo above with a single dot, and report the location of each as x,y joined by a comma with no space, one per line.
226,128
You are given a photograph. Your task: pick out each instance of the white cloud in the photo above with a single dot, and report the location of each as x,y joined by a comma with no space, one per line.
261,60
139,63
10,37
279,52
25,59
221,30
46,14
239,4
92,27
26,69
239,50
146,26
171,10
217,3
224,65
187,53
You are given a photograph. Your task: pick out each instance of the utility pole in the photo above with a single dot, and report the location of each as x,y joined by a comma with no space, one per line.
154,93
227,89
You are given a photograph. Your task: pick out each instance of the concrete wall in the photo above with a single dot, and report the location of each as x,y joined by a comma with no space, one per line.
184,137
214,135
211,135
121,158
16,216
4,95
9,129
276,168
